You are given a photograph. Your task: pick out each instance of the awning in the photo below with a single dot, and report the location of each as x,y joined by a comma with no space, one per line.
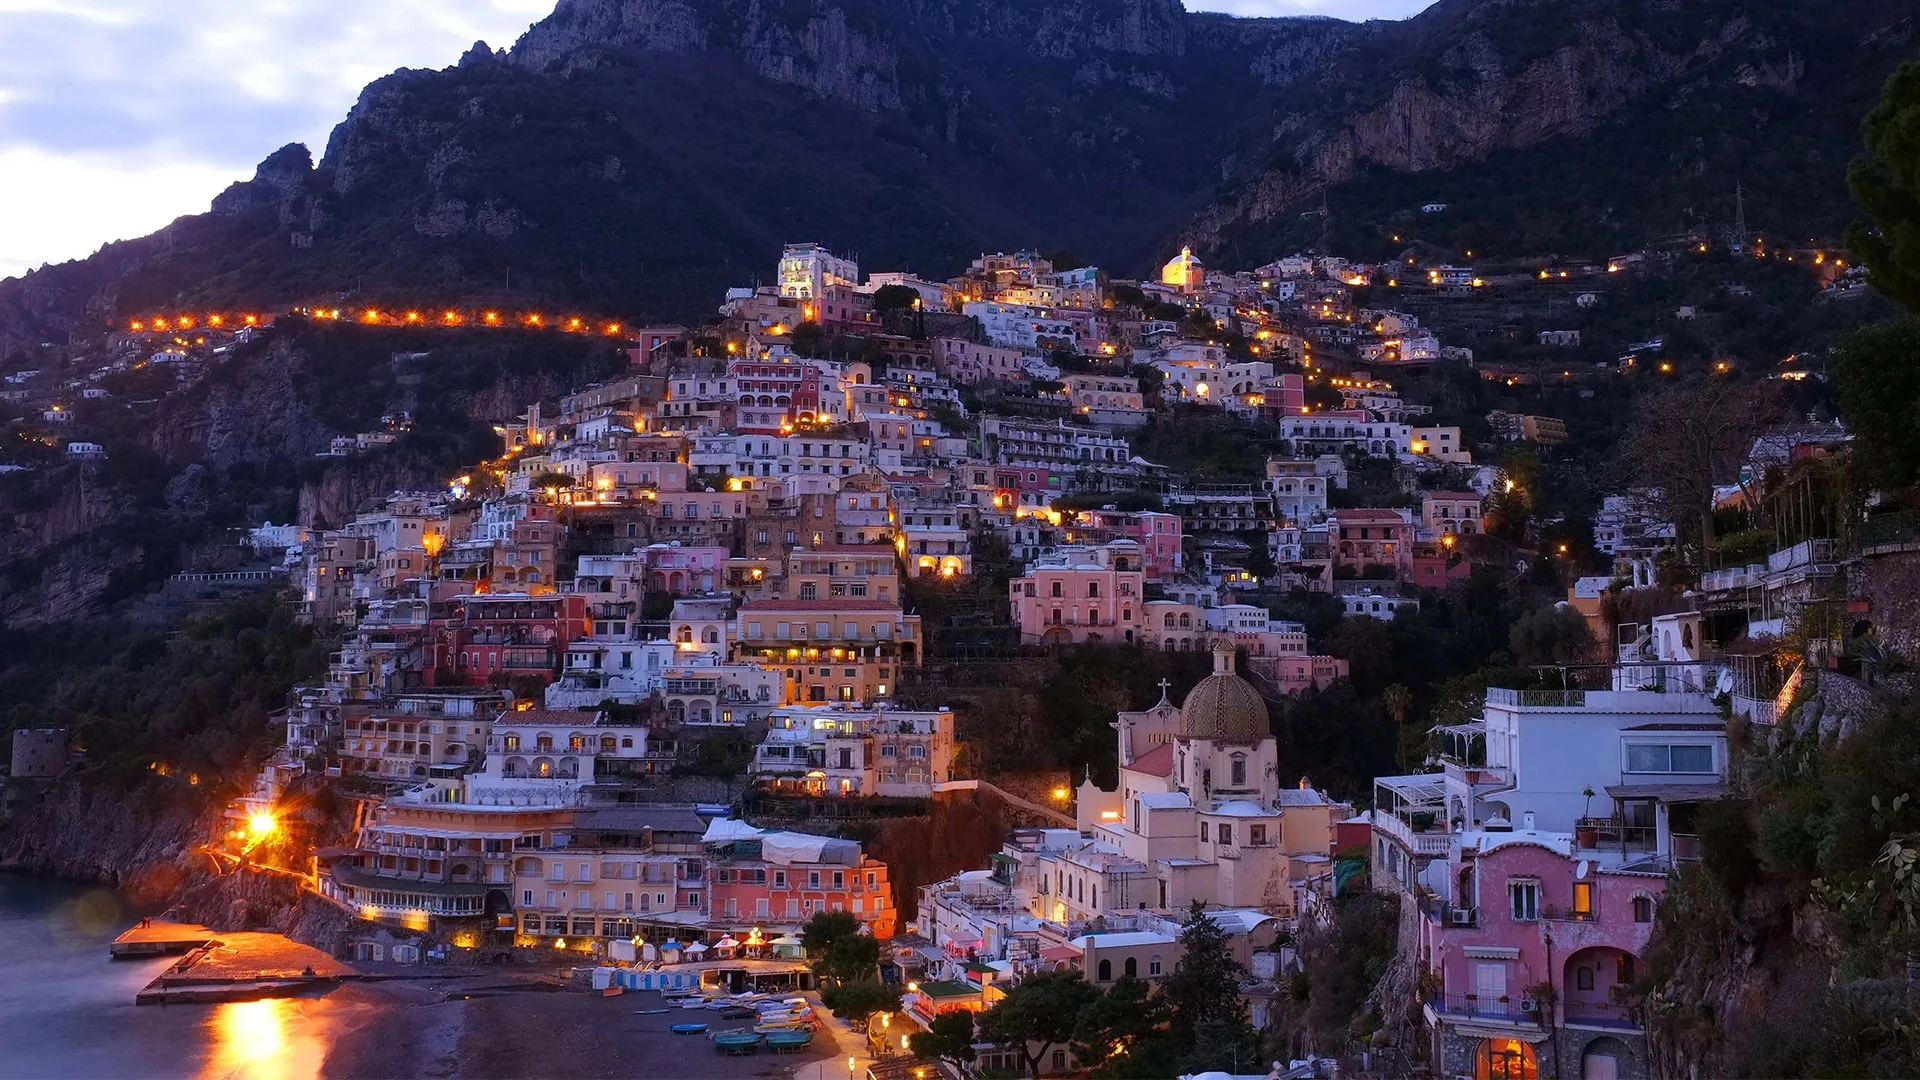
1669,793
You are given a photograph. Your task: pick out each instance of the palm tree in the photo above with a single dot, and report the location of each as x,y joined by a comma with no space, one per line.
1397,699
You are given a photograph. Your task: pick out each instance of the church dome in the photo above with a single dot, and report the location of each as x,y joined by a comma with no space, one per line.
1224,707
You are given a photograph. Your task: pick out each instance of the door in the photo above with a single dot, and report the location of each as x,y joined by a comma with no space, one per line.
1600,1067
1489,986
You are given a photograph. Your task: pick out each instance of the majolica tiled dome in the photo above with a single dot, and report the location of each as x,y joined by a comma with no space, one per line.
1224,707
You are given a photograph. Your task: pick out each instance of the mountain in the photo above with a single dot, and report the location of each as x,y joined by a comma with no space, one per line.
637,156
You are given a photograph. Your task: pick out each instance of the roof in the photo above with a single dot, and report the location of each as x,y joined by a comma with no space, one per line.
1668,793
777,604
1155,762
949,988
1165,800
1305,796
1241,808
1123,940
556,717
1368,514
1676,726
357,876
633,819
846,549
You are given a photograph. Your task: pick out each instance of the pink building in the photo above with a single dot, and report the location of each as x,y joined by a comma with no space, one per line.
1158,535
1534,913
1436,562
1081,593
972,362
1293,673
1378,537
673,569
1451,511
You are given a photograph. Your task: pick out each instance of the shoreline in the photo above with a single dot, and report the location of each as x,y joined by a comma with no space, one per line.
501,1028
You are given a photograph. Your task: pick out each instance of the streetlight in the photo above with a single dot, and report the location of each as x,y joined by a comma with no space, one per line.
849,1067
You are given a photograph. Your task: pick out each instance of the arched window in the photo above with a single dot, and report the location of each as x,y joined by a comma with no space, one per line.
1583,978
1131,969
1153,964
1106,971
1643,909
1239,770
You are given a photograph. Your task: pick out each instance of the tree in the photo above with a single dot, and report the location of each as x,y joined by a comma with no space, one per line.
838,949
551,482
1687,440
1397,698
1205,984
808,339
949,1038
894,298
1111,1033
856,1001
1552,635
1886,183
1037,1014
1880,397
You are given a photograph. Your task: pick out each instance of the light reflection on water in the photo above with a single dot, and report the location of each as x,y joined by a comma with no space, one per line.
67,1011
269,1039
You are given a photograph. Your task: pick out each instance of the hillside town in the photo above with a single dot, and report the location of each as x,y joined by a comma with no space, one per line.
628,690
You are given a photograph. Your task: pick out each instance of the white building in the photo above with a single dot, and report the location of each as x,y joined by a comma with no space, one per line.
807,271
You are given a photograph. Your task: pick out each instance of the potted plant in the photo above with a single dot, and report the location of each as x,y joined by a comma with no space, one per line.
1584,832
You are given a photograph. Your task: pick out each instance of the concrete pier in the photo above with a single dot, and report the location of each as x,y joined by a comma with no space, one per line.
234,967
156,937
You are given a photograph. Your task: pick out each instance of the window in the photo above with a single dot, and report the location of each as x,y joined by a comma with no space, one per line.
1257,835
1203,830
1153,964
1665,758
1583,899
1239,770
1643,909
1106,971
1583,978
1525,899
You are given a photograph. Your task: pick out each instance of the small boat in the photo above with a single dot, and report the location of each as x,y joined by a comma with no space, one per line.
737,1012
689,1029
789,1042
736,1042
694,1003
649,1012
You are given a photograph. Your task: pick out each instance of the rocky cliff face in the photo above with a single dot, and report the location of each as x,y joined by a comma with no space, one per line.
658,150
87,833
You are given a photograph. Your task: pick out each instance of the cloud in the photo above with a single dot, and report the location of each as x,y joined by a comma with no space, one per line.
117,116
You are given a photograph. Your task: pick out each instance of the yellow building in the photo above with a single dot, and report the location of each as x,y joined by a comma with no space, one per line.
830,649
1184,272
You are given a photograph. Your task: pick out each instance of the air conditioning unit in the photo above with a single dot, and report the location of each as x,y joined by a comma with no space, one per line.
1461,918
1529,1005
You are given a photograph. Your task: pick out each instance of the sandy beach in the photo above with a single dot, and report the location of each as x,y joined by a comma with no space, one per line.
500,1026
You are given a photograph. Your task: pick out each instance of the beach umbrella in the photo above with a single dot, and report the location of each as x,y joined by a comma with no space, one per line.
696,947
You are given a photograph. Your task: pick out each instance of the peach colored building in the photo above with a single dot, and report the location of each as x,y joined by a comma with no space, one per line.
1082,593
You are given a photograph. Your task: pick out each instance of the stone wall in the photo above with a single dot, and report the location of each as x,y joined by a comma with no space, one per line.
1890,584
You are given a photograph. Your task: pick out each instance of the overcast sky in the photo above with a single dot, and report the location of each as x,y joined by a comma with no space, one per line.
117,116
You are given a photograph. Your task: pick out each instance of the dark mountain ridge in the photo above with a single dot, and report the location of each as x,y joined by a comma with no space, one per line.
640,155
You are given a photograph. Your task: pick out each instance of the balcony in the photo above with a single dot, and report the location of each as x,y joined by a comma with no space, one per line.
1506,1009
1617,1015
1613,834
1431,841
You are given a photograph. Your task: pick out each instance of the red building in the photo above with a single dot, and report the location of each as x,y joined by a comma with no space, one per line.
1372,537
779,880
504,634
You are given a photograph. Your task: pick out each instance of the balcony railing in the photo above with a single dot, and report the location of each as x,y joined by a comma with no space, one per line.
1609,1014
1612,834
1506,1009
1429,842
